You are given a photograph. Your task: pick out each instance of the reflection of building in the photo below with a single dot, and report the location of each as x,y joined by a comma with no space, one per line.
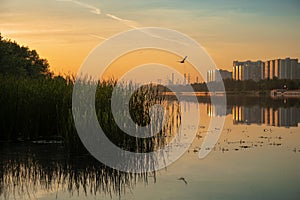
285,117
213,75
285,93
299,70
247,115
173,79
217,110
281,117
247,70
282,69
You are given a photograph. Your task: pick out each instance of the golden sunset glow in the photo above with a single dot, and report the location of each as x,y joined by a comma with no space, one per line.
133,59
65,31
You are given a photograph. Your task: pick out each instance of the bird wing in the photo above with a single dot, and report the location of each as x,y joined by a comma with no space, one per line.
182,61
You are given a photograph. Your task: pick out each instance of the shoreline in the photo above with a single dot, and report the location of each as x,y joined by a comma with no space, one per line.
266,93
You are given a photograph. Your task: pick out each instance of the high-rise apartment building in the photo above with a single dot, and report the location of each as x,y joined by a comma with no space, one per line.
247,70
282,69
213,75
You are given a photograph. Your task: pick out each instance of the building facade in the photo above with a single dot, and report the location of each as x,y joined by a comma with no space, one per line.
282,69
218,75
247,70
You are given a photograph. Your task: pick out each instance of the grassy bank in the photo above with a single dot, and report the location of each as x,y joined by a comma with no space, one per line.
41,109
31,109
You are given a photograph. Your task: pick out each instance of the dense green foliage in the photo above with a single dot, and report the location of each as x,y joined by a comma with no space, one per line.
35,108
21,61
41,109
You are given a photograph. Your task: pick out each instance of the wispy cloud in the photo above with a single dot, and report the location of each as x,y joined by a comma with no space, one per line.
127,22
97,11
97,36
131,24
115,17
92,8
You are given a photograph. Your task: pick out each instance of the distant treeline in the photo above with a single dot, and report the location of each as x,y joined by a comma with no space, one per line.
249,85
230,85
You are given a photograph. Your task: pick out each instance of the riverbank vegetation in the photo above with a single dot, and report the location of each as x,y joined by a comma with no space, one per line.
248,86
36,105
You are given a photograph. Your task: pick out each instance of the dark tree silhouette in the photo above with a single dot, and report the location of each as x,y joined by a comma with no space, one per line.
21,61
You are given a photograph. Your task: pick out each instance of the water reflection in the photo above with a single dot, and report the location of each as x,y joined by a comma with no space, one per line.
280,117
252,123
279,113
31,170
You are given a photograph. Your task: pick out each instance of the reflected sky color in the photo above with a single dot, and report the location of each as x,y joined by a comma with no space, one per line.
247,163
65,31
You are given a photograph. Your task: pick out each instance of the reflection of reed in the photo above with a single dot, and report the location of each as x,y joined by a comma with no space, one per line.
141,101
24,176
141,118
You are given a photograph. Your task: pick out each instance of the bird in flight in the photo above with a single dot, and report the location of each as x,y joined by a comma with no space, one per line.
183,60
183,179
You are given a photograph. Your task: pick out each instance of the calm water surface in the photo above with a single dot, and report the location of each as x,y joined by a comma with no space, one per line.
256,157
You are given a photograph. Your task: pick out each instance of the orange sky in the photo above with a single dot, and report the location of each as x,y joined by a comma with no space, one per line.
136,58
65,31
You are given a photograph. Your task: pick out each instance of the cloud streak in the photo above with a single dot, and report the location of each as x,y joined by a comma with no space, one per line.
97,36
124,21
97,11
93,9
129,23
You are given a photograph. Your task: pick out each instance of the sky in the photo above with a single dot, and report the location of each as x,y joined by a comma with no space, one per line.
65,31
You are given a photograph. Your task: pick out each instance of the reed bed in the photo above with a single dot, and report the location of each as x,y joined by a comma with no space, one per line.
34,110
41,109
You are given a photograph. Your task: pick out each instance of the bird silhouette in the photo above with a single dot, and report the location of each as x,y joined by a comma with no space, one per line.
183,179
183,60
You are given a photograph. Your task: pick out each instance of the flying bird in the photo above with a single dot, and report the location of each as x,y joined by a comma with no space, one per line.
183,179
183,60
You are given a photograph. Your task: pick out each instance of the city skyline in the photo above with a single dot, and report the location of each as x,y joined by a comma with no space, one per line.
280,68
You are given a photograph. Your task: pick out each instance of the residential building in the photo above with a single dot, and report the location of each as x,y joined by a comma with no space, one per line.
218,75
282,69
247,70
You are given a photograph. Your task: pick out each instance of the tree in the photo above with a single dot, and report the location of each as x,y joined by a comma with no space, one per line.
21,61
